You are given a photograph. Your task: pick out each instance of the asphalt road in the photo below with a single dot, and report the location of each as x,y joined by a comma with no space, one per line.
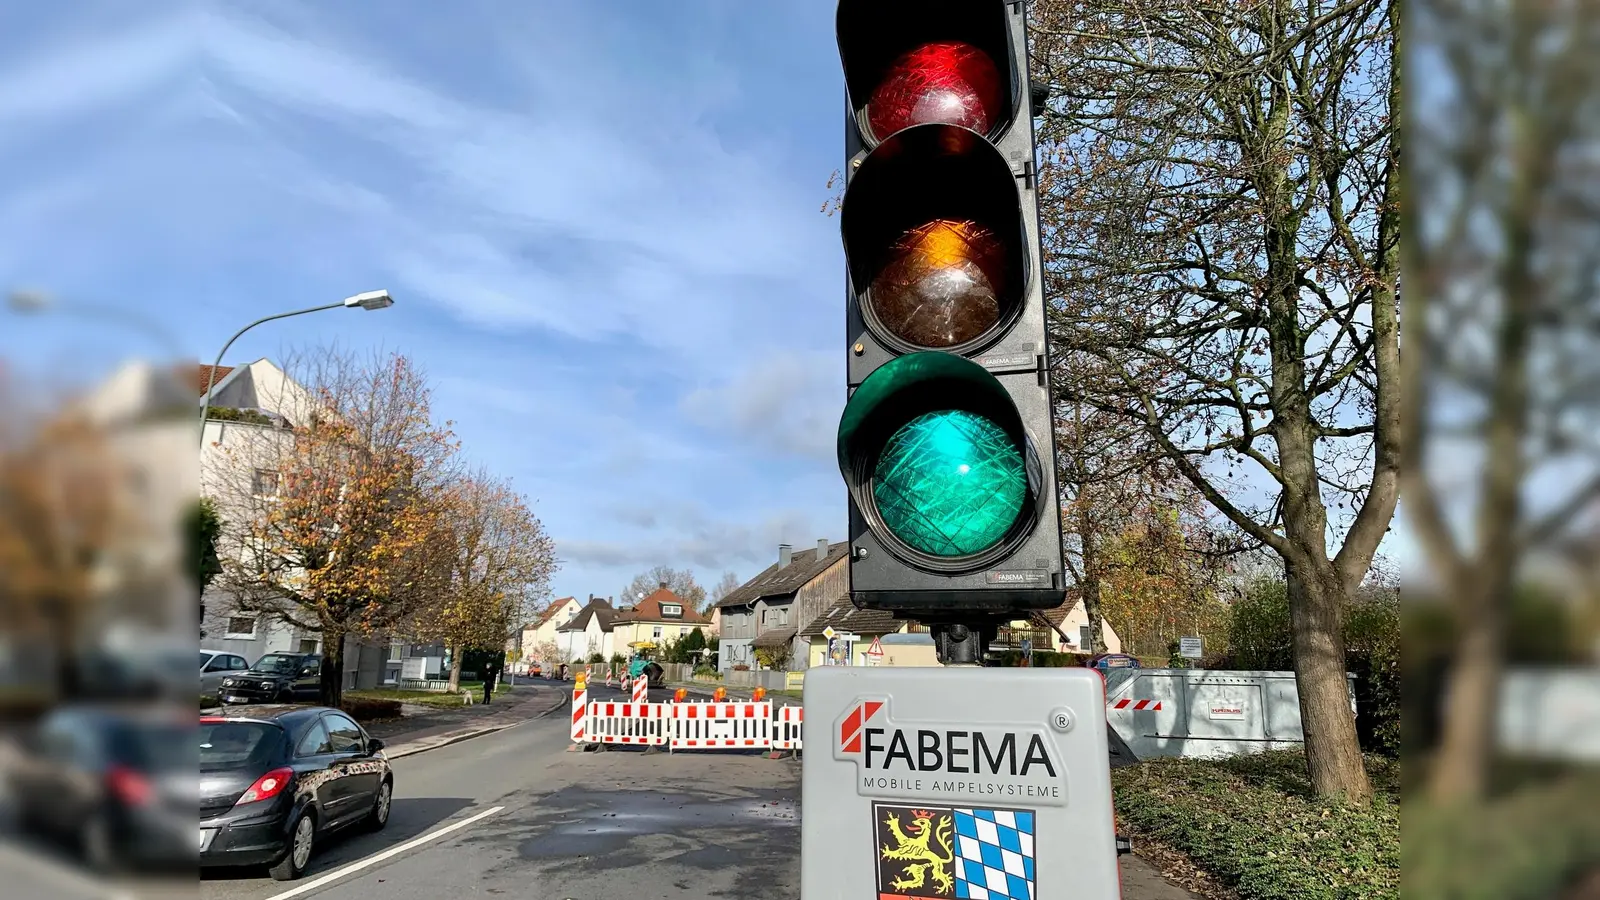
527,820
514,814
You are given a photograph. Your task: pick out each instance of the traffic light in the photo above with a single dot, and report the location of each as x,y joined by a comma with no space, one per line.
946,443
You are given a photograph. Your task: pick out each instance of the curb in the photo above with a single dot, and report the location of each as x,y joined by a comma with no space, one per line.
458,737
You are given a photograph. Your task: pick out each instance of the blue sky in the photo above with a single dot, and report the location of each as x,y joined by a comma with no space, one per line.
601,222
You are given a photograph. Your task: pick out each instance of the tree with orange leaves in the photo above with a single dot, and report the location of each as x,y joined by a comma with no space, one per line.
496,561
64,520
331,517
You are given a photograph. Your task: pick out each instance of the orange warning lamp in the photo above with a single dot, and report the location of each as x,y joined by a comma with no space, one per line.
680,695
720,694
760,692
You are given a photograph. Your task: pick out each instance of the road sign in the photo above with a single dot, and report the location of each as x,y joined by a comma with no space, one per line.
946,442
903,799
1191,647
877,647
829,633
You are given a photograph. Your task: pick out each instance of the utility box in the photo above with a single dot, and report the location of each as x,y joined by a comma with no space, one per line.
1551,713
1201,713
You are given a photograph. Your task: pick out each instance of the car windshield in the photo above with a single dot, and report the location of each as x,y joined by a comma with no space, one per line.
204,658
235,745
278,664
155,746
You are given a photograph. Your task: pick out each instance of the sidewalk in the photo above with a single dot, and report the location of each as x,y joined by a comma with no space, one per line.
428,727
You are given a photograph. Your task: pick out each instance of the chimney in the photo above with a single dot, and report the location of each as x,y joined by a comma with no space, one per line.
822,549
663,585
785,553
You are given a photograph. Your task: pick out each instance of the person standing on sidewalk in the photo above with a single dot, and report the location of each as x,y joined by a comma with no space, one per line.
490,673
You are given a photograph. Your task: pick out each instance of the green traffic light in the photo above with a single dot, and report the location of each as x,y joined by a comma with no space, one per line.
950,483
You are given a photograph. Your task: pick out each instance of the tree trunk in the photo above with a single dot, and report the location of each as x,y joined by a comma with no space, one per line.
1091,578
455,670
1333,749
331,692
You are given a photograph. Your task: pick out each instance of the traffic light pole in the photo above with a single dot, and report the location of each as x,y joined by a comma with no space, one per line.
964,642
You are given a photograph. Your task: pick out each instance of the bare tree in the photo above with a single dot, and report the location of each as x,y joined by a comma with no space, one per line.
1220,184
727,584
1503,340
678,581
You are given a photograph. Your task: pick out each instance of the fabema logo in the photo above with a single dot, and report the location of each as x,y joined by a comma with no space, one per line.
852,726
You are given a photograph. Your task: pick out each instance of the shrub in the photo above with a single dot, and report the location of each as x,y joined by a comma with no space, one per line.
1253,824
1042,659
596,659
1259,638
1528,845
367,709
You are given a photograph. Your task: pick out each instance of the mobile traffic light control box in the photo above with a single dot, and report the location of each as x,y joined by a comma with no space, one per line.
956,783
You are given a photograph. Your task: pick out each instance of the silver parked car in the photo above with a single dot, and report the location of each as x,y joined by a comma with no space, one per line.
216,665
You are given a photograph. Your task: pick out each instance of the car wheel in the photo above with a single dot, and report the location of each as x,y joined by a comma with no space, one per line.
285,696
379,816
302,835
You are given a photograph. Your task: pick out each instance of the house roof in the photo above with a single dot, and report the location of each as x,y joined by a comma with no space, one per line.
843,616
777,637
774,581
649,610
598,608
1058,614
204,372
549,611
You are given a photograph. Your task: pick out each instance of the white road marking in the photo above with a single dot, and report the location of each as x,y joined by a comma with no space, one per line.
64,877
373,860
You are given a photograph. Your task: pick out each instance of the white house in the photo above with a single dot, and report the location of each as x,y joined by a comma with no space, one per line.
261,403
588,633
545,626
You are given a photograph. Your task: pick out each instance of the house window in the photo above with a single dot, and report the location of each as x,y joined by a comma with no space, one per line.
783,616
764,618
264,483
241,627
671,610
1083,637
657,634
308,645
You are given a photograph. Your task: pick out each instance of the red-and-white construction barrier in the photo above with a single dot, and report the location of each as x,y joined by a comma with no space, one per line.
1133,704
639,724
580,710
641,689
717,725
787,729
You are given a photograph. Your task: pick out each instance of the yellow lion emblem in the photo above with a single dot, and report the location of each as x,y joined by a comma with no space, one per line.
920,850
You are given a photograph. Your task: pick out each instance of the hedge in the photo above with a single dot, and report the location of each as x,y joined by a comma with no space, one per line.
1252,823
1527,845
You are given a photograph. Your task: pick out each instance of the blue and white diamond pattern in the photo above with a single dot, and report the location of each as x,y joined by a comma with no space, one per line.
994,854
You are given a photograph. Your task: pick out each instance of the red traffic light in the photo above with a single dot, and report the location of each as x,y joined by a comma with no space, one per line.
944,82
928,62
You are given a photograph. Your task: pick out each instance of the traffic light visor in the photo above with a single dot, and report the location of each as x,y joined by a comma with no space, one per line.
937,61
933,450
934,238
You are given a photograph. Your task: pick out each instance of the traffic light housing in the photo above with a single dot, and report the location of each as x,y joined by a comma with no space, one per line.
946,443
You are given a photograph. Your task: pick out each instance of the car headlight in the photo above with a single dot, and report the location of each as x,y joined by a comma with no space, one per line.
229,682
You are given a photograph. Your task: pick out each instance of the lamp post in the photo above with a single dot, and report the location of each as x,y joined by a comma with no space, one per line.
367,300
33,302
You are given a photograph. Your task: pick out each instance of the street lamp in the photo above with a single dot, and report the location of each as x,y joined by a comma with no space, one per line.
35,302
365,300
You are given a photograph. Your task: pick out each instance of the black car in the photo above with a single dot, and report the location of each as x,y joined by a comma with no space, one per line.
275,678
275,779
118,783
